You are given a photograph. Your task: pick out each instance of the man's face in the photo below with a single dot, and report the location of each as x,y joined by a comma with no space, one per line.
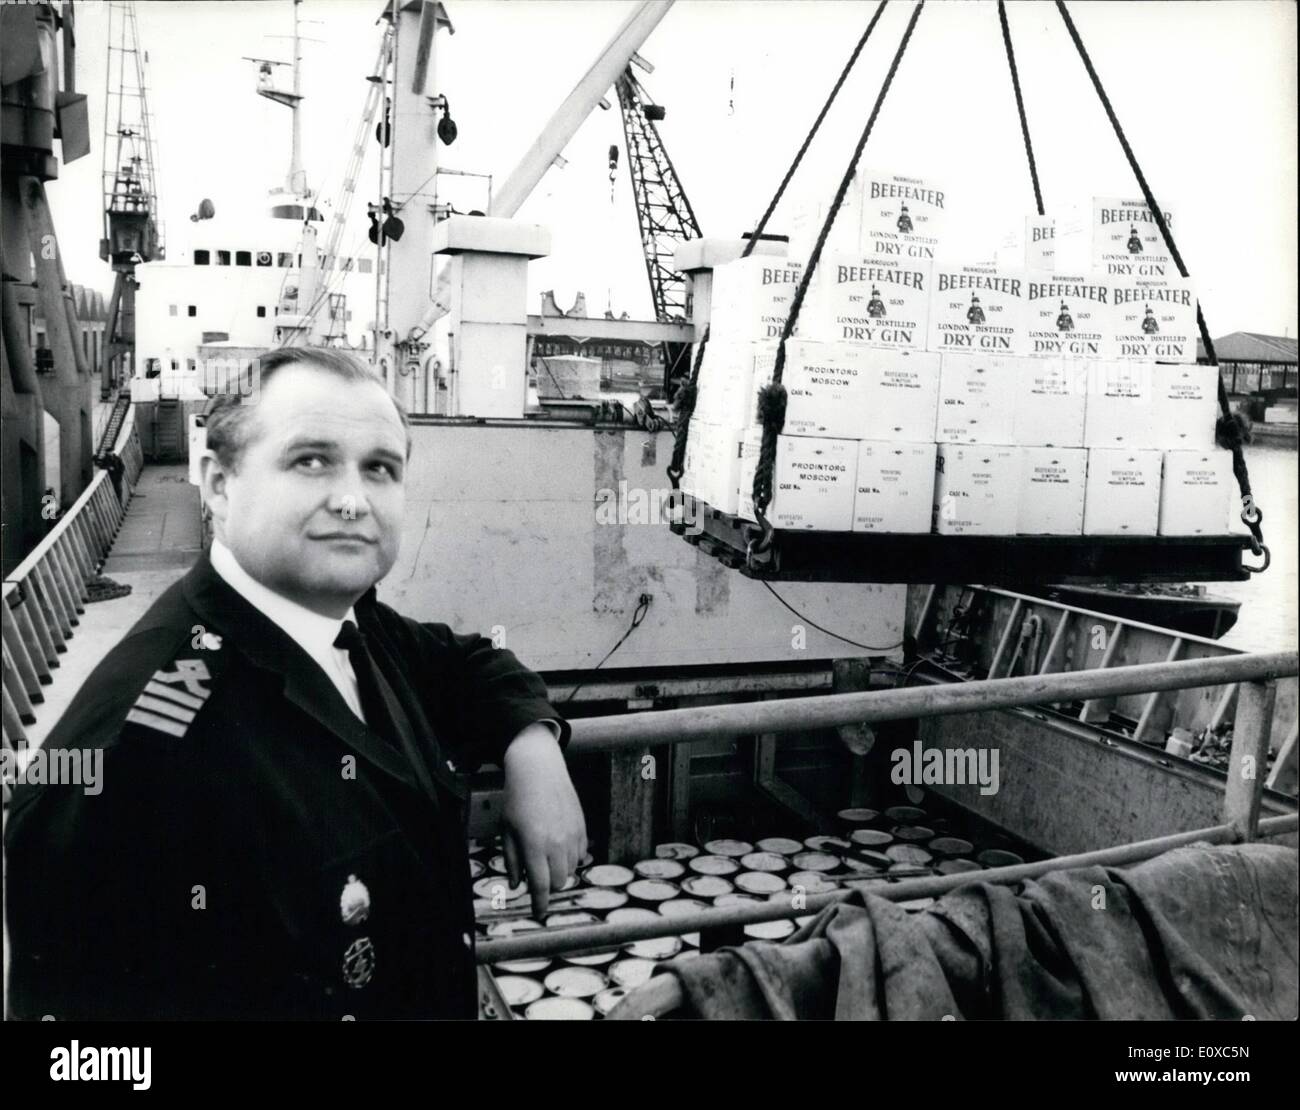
314,510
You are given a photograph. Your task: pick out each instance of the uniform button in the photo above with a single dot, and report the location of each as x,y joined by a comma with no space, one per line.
451,766
469,943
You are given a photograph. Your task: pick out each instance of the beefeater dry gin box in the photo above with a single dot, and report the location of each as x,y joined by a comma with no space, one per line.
712,465
977,399
1122,497
902,217
845,234
1196,493
751,298
1186,407
1120,410
1068,316
812,482
1051,402
1126,240
827,389
1152,319
978,308
895,487
1052,481
880,301
1040,243
731,376
976,490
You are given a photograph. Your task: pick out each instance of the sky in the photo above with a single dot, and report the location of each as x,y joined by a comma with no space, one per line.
1205,91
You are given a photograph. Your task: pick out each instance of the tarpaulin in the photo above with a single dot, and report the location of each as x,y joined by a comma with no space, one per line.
1199,932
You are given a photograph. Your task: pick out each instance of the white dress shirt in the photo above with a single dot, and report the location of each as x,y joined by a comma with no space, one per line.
312,632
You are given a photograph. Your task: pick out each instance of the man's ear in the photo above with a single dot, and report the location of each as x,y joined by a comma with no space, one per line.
212,484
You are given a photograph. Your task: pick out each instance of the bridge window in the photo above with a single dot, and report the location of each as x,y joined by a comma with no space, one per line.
363,265
202,258
171,310
223,258
261,311
192,310
264,258
243,258
284,260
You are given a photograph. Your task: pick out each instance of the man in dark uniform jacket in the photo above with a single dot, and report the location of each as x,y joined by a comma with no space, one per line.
280,826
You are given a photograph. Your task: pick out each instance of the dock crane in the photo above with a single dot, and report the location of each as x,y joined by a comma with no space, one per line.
132,232
663,210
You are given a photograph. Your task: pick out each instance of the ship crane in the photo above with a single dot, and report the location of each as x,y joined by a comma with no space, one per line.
132,232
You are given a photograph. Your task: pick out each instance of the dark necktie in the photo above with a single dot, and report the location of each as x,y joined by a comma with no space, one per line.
382,710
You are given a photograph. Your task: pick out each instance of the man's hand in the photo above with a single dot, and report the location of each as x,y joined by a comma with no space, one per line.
544,833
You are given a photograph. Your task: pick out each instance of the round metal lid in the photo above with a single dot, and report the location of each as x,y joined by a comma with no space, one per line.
707,886
714,865
607,874
652,890
560,1009
735,848
519,990
764,861
781,845
659,869
759,882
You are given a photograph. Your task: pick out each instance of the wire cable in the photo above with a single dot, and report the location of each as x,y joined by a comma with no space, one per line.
827,631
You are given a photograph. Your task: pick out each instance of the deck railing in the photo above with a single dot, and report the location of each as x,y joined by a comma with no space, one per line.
1243,793
47,592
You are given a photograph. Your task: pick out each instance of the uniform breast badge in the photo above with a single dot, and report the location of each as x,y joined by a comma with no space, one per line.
354,902
359,963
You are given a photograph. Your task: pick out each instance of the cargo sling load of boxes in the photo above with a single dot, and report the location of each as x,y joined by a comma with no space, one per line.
871,386
933,396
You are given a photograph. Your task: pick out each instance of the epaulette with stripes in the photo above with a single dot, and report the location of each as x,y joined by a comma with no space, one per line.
172,698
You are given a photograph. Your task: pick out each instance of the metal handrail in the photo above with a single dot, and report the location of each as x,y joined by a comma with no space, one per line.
639,730
55,534
45,593
575,939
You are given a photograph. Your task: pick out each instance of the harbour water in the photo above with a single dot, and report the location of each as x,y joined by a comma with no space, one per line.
1267,621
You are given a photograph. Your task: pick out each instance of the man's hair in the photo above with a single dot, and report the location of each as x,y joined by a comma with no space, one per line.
229,424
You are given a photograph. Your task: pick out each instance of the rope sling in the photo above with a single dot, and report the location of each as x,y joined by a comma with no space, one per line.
1232,431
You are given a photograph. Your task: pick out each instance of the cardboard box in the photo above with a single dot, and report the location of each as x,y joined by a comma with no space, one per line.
903,395
1050,403
1126,240
976,490
978,308
1068,316
845,235
1152,319
812,484
1123,492
977,399
1196,493
1052,481
902,217
894,491
1120,409
1187,407
1040,243
730,377
884,302
751,298
712,465
828,389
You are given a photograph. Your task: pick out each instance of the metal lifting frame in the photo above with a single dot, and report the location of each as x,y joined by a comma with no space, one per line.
1257,674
